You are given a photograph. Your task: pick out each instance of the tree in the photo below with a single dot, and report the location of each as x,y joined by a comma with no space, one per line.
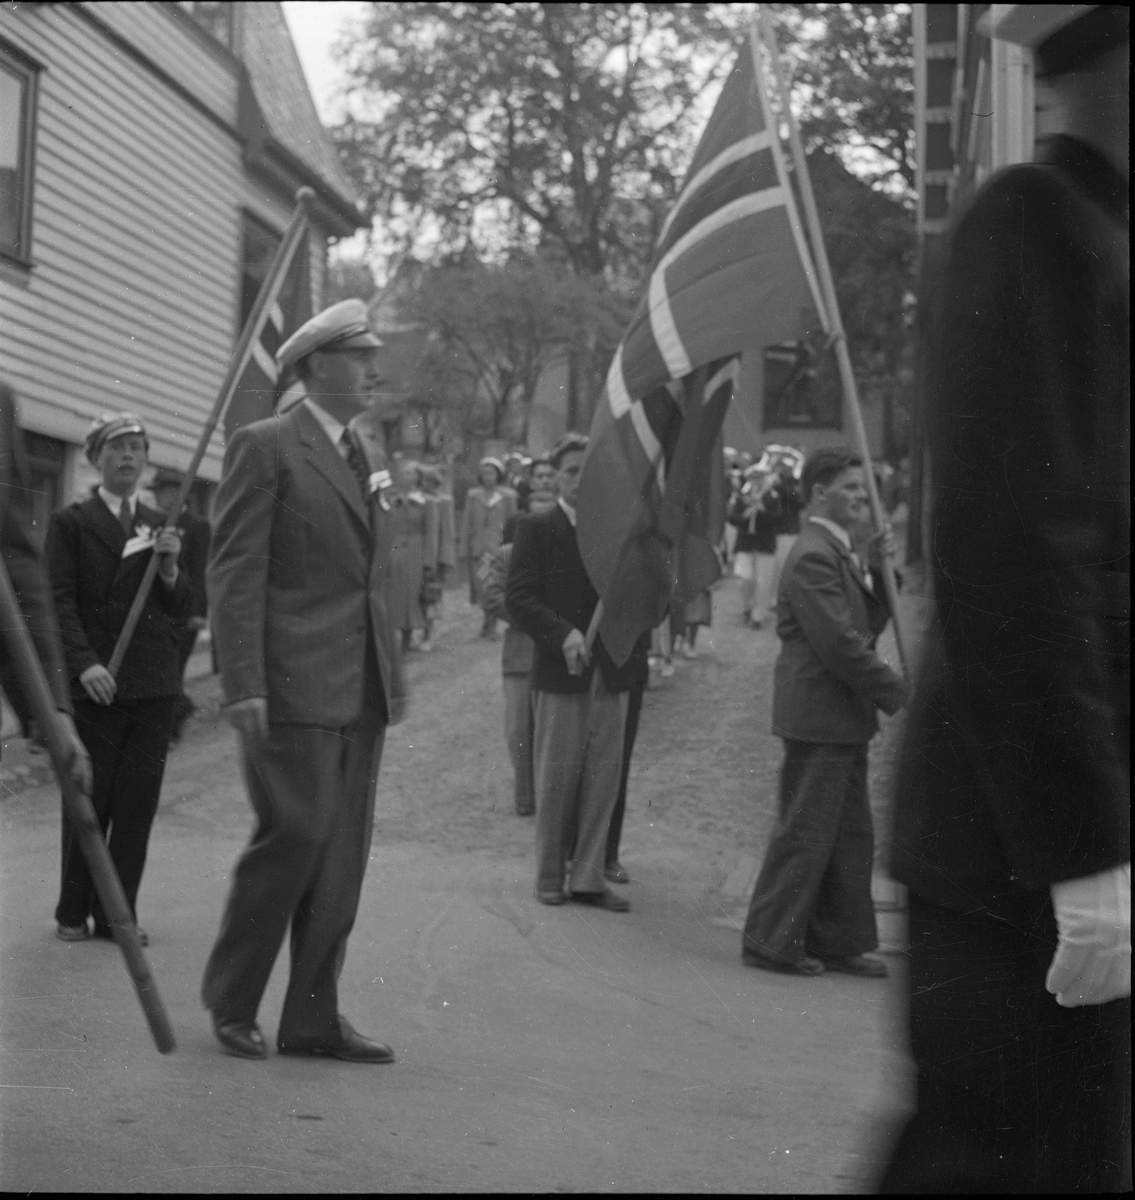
853,86
349,279
491,330
524,124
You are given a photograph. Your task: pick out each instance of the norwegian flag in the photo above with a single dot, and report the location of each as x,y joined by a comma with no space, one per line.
731,272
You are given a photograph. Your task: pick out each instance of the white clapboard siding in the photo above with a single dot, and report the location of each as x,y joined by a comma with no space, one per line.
191,60
132,300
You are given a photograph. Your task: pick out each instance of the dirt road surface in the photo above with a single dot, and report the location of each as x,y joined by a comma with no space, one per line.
539,1049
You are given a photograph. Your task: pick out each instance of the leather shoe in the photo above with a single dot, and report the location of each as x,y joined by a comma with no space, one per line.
802,966
242,1039
604,899
351,1047
72,933
858,964
550,897
616,873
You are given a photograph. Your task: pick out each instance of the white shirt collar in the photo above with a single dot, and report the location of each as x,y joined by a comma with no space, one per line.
568,510
331,426
837,531
114,503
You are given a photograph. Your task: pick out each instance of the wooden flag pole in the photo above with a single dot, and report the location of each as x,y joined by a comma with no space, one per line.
29,672
839,337
250,335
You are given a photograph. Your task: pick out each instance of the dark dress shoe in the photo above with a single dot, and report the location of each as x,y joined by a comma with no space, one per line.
616,873
242,1039
858,964
351,1047
604,899
803,966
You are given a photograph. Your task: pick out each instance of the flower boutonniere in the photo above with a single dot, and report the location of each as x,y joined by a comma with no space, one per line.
377,485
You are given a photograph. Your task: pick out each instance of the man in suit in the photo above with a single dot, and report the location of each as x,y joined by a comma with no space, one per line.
581,697
811,908
194,532
97,553
298,579
24,565
1012,824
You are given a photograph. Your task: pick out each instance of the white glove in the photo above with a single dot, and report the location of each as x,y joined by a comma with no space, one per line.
1092,963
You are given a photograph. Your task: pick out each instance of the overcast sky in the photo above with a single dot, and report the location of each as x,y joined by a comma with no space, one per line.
315,24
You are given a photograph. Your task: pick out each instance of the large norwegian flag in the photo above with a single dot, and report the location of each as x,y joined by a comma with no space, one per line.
731,272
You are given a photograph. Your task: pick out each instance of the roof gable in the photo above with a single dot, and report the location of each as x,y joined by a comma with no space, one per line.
283,98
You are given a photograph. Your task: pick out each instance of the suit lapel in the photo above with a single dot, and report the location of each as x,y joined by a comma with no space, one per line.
845,554
104,525
327,460
373,446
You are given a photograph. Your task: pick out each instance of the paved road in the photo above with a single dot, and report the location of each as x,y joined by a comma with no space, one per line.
538,1049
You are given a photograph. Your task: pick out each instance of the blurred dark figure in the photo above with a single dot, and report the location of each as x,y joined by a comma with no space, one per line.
636,693
194,555
1012,825
25,568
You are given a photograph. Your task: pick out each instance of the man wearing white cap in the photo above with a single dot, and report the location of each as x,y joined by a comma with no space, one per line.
1012,824
298,577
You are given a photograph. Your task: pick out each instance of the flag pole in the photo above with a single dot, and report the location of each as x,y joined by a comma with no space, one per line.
765,34
29,672
250,335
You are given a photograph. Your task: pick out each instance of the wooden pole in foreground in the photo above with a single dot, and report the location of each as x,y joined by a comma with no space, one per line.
843,358
250,335
30,673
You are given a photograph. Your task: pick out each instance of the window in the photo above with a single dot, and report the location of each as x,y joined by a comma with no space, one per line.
17,133
260,243
801,389
214,16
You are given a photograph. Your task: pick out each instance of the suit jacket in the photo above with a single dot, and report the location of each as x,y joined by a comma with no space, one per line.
1016,770
95,585
828,680
22,559
299,574
548,594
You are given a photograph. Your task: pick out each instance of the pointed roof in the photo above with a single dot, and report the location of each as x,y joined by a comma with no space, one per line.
282,115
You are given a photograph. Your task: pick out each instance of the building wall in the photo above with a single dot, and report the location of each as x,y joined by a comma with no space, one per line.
136,237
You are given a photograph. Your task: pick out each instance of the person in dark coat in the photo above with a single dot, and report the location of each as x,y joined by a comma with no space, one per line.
97,551
811,908
299,583
194,531
581,697
1012,825
24,565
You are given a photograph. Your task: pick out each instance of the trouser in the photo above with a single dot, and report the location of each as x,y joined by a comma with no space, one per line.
312,791
634,711
578,754
765,569
519,726
127,742
1014,1093
813,894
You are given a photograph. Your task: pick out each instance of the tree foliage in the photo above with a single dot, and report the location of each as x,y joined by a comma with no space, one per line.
571,124
492,331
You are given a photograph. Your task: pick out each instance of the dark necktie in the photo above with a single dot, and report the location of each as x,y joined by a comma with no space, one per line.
125,518
355,460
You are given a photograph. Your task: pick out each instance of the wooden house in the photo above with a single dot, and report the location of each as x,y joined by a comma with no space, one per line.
149,158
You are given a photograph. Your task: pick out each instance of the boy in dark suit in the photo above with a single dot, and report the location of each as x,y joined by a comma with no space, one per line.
581,698
97,551
811,908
